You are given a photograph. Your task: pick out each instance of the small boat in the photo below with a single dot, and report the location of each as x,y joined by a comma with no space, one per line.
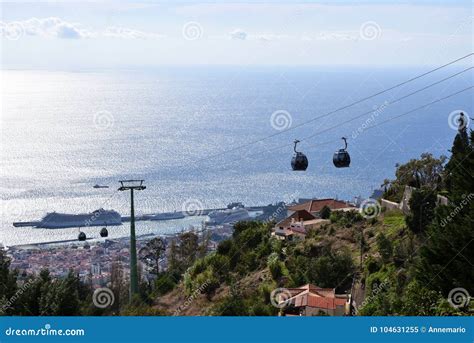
100,186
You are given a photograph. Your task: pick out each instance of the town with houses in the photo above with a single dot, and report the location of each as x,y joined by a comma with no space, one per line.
93,261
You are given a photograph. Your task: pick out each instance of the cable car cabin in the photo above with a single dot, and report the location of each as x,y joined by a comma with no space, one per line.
341,158
82,236
299,162
104,232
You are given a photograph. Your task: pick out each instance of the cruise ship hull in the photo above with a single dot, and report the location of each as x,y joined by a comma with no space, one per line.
99,217
167,216
73,224
227,216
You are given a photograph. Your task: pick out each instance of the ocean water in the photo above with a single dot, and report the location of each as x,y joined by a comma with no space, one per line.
63,132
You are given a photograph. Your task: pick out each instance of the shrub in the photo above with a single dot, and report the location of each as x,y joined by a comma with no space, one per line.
385,247
325,212
164,283
224,247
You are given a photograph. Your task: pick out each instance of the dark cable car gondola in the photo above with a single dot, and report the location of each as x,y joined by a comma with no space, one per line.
299,162
104,232
82,236
341,158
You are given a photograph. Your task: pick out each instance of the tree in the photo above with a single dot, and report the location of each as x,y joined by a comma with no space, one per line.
152,254
61,297
424,172
174,265
232,305
8,283
419,300
363,246
460,168
203,247
118,285
30,300
385,247
450,245
422,204
69,296
183,252
331,270
444,259
325,212
188,248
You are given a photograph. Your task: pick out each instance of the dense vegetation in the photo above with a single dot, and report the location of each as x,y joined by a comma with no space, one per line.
433,254
406,264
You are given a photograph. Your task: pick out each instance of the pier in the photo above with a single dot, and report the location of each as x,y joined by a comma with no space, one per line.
147,217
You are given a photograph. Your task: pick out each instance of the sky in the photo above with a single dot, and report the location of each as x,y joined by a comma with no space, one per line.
117,34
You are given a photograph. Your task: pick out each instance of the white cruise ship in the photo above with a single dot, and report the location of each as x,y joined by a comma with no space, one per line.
228,216
100,217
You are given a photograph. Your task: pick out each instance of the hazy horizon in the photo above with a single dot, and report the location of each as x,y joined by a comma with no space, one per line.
110,34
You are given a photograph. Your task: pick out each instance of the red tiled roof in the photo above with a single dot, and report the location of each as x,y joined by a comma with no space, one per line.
317,204
326,303
313,296
297,216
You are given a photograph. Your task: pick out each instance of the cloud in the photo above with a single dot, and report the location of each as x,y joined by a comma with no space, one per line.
68,32
54,27
238,34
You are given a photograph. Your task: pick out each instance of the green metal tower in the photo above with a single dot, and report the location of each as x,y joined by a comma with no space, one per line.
132,185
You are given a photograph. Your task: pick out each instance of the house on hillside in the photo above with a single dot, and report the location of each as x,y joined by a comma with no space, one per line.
297,225
296,216
293,231
315,206
311,300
